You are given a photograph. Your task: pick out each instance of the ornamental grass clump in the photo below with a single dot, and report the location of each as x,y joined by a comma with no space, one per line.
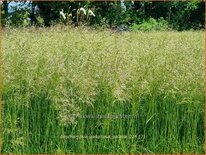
52,76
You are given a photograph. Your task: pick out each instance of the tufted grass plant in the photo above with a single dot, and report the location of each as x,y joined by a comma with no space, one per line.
55,76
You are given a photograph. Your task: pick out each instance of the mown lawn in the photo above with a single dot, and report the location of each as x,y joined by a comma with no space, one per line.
78,90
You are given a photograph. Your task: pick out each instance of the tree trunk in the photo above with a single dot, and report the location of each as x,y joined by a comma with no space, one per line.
5,8
45,11
32,15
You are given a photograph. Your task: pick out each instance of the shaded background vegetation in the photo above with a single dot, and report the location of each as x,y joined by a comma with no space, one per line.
130,14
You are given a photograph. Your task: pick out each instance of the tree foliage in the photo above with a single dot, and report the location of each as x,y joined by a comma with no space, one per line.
177,15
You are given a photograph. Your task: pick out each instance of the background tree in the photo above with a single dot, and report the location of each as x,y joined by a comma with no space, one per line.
177,15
